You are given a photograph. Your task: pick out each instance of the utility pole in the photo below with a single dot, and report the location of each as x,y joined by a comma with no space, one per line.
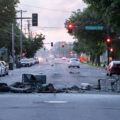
21,47
29,28
21,34
34,23
13,44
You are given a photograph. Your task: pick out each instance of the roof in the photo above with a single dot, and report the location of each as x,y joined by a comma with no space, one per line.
115,62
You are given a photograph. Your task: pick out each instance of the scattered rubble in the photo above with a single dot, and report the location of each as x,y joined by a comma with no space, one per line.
85,86
37,84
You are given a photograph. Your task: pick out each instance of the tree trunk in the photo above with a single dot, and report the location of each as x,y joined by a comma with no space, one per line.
92,59
98,60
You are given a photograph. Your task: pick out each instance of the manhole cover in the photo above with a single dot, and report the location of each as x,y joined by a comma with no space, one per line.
56,102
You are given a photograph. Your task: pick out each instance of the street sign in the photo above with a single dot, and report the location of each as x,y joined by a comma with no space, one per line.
3,51
94,27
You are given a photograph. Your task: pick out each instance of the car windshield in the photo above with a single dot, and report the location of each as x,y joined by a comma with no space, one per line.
74,59
56,47
24,60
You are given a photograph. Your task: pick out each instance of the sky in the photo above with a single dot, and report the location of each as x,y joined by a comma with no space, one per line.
52,15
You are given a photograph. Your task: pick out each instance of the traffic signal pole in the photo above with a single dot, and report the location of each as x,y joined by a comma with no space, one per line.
108,53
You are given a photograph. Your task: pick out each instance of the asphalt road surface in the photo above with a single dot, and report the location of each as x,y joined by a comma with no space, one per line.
59,107
58,74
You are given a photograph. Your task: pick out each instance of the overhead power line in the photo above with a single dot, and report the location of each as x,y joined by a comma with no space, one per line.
50,9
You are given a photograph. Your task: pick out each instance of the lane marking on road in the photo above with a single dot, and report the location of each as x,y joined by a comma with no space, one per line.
56,102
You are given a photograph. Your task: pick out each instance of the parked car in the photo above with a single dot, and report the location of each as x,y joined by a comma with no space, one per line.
64,58
36,60
32,60
25,63
113,68
6,67
74,62
2,69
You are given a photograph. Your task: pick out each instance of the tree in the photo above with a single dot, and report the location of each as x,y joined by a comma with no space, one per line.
31,46
7,17
109,10
7,12
90,42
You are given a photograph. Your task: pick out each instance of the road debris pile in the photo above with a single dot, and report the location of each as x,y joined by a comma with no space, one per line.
37,84
110,84
21,87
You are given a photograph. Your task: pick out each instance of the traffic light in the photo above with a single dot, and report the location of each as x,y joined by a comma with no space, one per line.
34,19
70,27
108,41
111,50
63,45
51,44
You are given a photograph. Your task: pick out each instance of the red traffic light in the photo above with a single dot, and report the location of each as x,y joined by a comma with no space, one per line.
108,40
70,26
63,45
111,50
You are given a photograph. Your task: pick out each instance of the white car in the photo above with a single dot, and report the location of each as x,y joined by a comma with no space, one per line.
2,69
74,62
6,67
32,60
25,63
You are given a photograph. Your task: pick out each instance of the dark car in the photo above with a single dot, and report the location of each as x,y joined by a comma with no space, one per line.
113,68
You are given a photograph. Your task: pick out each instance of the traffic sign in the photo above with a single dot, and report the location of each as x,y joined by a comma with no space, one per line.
94,27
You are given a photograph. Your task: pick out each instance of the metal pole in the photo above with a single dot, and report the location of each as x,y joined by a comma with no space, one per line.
13,44
108,34
29,29
21,47
107,55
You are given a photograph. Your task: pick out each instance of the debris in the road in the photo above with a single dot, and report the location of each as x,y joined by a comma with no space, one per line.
20,90
50,88
4,87
110,84
18,85
33,79
74,88
85,86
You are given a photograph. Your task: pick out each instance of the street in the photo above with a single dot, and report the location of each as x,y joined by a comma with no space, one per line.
58,74
59,107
